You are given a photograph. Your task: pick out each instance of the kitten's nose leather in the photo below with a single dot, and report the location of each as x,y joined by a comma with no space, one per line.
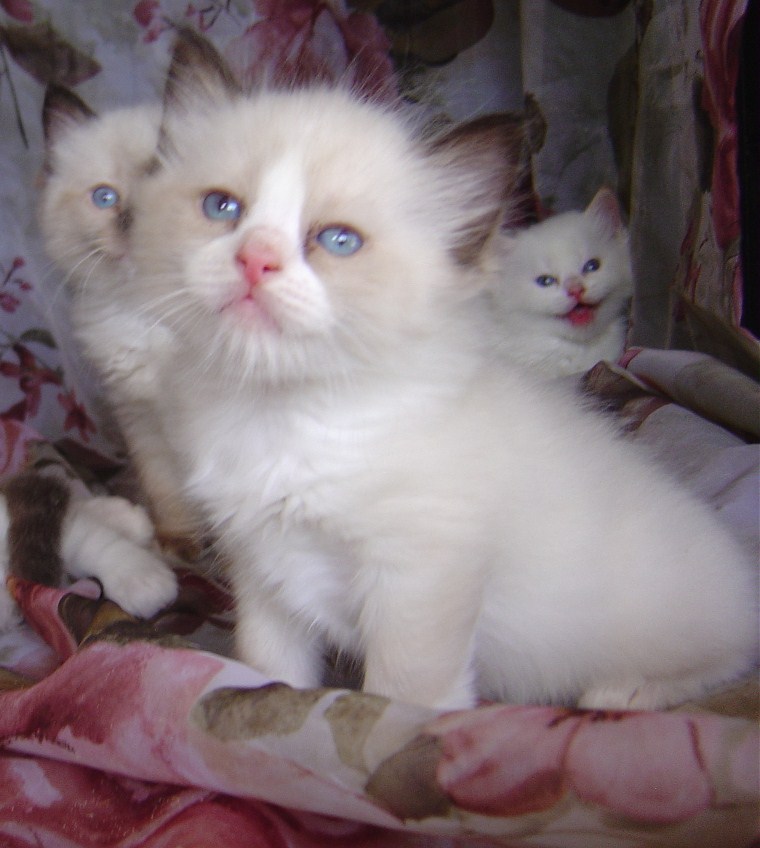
574,287
258,259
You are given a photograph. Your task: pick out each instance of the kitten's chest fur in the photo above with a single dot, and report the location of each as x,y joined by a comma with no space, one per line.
292,461
537,342
289,480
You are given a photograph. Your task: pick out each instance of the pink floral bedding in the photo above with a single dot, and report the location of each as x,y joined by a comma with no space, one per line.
118,733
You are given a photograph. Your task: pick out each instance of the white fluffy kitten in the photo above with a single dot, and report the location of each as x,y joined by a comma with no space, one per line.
92,164
47,529
376,484
562,288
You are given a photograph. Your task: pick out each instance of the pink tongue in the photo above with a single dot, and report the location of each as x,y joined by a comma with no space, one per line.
580,315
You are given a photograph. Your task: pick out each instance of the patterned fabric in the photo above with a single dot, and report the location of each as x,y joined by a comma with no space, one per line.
118,733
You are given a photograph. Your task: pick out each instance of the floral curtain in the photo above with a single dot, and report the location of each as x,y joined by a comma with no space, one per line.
117,732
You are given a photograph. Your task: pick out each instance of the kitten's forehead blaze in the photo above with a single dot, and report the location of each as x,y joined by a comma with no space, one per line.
280,197
310,145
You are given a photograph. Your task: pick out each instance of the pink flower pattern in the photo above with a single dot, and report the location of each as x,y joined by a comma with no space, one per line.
76,416
308,40
721,22
20,10
165,736
123,733
31,376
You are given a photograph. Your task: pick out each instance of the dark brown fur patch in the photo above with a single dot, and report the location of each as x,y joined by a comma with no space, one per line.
196,70
61,109
491,148
124,220
36,507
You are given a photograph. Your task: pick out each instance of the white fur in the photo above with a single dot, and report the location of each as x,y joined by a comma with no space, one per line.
91,248
110,539
532,326
376,483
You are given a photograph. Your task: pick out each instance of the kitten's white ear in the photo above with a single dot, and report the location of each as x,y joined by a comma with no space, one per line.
61,110
480,165
198,76
605,209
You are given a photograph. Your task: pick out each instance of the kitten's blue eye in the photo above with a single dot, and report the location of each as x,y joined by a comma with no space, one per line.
591,265
105,197
218,206
546,280
340,241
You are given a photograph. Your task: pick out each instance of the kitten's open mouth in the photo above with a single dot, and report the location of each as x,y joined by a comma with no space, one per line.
581,314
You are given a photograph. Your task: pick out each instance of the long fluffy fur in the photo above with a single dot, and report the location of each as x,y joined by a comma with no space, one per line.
90,245
377,482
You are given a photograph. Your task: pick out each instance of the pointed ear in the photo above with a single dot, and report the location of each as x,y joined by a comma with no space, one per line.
62,109
197,76
604,207
196,71
480,165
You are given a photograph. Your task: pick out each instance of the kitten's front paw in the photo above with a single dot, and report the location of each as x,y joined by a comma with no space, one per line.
122,516
142,586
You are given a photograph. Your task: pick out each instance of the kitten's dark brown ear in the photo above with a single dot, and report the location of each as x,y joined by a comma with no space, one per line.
197,69
197,76
483,163
61,110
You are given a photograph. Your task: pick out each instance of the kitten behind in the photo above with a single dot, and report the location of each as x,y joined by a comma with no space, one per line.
92,164
561,289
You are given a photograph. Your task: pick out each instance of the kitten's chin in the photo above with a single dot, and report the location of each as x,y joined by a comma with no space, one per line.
249,314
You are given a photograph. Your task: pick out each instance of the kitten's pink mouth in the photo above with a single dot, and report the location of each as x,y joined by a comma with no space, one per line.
251,312
582,314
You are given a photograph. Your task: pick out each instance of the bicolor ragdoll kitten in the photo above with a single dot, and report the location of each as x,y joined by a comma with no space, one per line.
562,289
46,531
378,484
92,164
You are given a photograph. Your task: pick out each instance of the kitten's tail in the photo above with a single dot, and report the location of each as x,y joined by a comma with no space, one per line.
35,505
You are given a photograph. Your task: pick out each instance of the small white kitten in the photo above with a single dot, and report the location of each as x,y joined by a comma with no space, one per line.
561,289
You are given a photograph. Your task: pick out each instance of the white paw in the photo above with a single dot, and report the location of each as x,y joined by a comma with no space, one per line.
124,517
142,584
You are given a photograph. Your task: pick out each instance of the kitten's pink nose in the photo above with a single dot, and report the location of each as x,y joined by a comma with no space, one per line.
257,259
574,287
